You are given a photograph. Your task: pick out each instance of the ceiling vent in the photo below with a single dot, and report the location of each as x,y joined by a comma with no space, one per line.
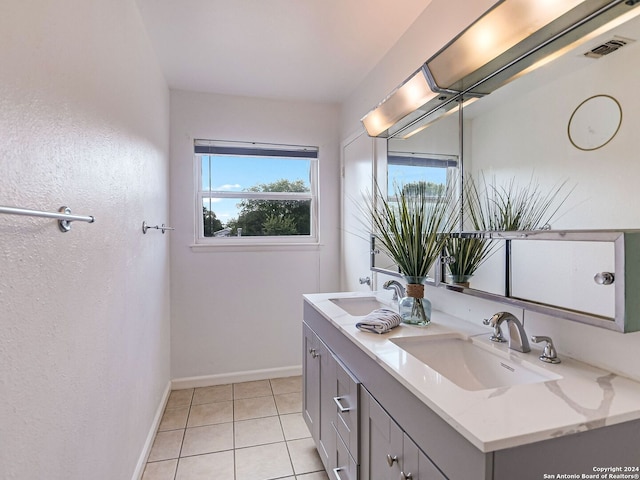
616,43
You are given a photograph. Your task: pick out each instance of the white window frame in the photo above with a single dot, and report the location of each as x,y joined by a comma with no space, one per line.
274,240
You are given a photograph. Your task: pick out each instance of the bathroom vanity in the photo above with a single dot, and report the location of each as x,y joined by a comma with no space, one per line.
380,406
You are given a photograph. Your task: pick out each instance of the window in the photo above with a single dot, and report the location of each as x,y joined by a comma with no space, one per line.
406,169
256,191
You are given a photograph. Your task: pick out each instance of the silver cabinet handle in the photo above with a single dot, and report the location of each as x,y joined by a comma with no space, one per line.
340,407
391,460
336,472
365,280
405,476
313,353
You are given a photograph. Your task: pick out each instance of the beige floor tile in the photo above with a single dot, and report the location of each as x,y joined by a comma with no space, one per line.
259,388
180,398
208,439
304,456
259,431
286,385
264,462
314,476
213,466
166,445
174,419
210,414
247,408
294,427
289,403
165,470
216,393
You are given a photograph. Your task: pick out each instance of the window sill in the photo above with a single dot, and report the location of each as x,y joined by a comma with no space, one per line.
253,247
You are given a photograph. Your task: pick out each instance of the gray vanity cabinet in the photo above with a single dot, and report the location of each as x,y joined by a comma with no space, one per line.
319,373
393,422
330,407
387,451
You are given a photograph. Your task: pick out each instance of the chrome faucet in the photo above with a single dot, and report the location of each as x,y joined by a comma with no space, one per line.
398,289
517,337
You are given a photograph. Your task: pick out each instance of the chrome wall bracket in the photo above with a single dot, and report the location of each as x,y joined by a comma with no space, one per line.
163,228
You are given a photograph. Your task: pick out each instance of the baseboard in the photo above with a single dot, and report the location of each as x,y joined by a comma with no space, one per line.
236,377
146,449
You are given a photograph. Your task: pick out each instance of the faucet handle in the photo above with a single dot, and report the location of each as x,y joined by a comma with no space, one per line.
497,331
549,354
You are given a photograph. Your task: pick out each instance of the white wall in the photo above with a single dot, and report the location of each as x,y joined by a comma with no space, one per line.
237,311
84,315
439,23
604,180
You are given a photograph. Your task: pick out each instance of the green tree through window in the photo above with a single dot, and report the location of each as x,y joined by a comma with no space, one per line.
274,217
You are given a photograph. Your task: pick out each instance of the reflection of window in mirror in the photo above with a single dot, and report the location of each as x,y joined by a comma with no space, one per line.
437,171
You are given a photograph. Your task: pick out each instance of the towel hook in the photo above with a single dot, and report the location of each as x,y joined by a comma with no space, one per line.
163,228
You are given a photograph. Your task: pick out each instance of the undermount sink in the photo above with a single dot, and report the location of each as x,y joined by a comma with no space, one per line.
469,365
358,306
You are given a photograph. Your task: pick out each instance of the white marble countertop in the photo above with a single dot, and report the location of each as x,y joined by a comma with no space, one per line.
585,397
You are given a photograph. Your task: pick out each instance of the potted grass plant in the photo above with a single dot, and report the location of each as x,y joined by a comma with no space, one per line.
507,207
408,227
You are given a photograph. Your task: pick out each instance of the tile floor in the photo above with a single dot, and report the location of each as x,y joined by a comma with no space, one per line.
243,431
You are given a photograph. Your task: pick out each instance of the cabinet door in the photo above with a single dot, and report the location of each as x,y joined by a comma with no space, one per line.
326,441
381,441
416,465
428,470
311,381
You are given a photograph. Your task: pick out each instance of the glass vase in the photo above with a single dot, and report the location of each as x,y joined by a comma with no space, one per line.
462,280
414,308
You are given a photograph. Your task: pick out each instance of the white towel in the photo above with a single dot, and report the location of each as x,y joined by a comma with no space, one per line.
381,320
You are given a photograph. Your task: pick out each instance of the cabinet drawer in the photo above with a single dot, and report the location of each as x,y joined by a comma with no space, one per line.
347,403
346,466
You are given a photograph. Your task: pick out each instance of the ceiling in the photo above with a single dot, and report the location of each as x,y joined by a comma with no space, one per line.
313,50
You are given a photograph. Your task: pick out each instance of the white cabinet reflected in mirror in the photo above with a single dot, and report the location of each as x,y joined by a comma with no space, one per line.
569,268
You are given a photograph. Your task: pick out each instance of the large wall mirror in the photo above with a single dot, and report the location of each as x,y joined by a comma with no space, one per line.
519,132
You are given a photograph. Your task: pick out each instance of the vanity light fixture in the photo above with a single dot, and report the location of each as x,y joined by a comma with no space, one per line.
405,99
498,31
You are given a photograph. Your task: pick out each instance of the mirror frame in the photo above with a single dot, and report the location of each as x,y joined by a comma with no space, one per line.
626,281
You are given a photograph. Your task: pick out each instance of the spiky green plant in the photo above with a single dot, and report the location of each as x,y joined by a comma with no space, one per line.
515,207
408,226
469,253
506,207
